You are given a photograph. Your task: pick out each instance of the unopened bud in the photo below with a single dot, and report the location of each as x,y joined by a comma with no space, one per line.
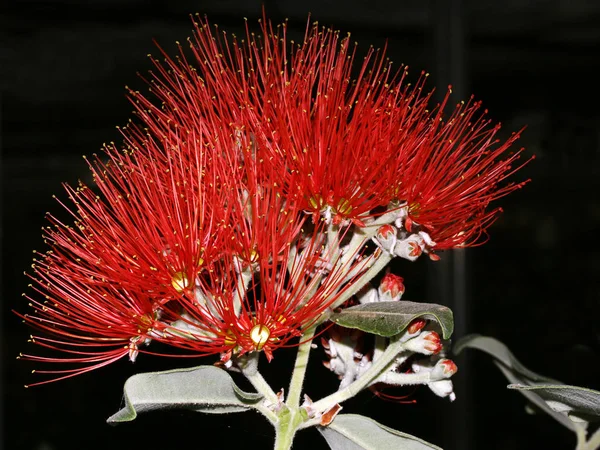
410,248
443,369
386,237
391,288
443,388
416,326
426,343
386,232
368,294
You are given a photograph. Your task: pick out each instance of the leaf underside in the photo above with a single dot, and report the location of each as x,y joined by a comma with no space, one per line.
204,389
567,404
355,432
575,401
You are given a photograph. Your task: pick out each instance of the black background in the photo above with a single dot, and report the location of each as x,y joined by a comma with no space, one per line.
534,285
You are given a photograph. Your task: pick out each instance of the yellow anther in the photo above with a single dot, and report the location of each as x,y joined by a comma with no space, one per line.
344,206
315,202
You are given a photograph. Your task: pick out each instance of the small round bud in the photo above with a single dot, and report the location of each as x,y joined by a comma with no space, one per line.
443,388
443,369
391,287
386,232
410,248
426,343
386,237
416,326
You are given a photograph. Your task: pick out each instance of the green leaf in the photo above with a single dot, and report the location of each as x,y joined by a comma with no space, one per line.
501,353
535,399
354,432
391,318
205,389
515,372
579,403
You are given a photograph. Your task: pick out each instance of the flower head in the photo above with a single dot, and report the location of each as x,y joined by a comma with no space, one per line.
222,223
453,175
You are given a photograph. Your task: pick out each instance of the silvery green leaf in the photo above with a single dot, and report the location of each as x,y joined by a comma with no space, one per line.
205,389
535,399
515,372
579,403
391,318
354,432
501,353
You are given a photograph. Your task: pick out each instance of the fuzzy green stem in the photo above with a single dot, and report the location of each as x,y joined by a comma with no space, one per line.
284,437
285,430
581,437
248,364
592,444
297,381
379,348
376,369
261,386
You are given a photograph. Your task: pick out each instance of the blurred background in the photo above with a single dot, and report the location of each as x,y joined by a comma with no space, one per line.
535,285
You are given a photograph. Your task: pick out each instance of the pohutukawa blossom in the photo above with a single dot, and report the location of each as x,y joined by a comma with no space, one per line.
223,223
454,174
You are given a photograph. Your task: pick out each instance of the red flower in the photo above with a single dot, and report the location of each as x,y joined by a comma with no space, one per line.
196,233
335,139
139,244
451,177
289,276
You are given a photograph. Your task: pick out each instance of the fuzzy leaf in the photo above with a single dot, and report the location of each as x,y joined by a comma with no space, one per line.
354,432
204,389
501,353
515,372
579,403
391,318
533,398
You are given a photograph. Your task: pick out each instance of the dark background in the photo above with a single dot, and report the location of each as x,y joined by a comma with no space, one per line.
534,285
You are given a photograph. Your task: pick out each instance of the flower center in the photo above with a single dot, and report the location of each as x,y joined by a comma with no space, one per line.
180,281
260,335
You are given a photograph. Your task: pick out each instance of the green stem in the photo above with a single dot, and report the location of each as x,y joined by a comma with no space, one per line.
286,428
297,381
385,360
592,444
284,439
248,364
581,435
379,348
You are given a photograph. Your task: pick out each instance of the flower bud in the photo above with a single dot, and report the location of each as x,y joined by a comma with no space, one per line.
410,248
386,237
426,343
391,288
416,326
443,388
368,294
443,369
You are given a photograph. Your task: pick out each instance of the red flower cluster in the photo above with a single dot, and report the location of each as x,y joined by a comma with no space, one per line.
207,228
